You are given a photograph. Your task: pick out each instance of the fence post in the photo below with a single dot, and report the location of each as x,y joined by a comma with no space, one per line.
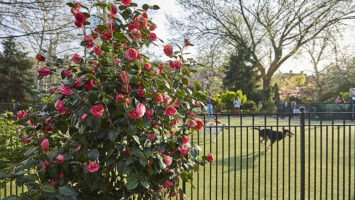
303,146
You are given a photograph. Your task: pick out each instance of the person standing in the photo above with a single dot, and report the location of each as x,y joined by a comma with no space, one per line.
237,104
210,107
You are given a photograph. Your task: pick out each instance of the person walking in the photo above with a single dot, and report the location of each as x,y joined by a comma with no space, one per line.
210,107
236,104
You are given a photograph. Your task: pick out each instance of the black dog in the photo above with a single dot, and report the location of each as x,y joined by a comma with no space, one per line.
273,136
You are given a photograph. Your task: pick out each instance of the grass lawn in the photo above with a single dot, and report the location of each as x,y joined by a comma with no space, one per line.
10,189
244,170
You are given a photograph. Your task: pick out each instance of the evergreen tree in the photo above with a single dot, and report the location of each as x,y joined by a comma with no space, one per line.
16,78
241,74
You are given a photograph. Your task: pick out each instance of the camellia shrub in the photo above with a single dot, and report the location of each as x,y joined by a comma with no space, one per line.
118,126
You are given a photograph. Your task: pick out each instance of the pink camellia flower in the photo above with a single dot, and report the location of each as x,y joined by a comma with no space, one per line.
61,175
78,24
53,181
168,184
106,35
197,104
172,133
119,97
83,117
126,88
124,77
44,71
142,23
168,50
68,72
149,114
153,27
116,62
172,64
151,136
176,104
76,58
167,100
145,14
98,51
141,93
147,66
178,64
40,58
77,84
138,112
199,124
192,114
88,39
59,106
210,157
45,164
192,123
170,111
89,84
45,145
126,2
21,114
152,37
97,110
65,90
80,17
93,167
60,158
185,139
113,9
149,163
51,90
136,34
168,160
131,54
78,148
159,98
26,140
184,151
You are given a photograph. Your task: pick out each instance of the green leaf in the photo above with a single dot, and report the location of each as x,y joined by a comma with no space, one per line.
67,191
136,138
145,7
161,163
143,181
112,135
72,5
185,81
132,182
30,151
93,154
156,7
48,188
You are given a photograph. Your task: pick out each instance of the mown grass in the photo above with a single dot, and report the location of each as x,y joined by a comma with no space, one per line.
244,170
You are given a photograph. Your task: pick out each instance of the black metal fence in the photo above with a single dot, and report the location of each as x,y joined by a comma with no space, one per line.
317,161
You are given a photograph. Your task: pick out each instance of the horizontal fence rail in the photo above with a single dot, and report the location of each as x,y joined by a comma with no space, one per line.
315,160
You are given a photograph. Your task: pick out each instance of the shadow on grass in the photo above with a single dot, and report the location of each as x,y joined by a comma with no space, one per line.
241,162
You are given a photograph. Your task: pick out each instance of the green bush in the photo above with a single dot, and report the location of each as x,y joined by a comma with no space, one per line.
249,106
11,150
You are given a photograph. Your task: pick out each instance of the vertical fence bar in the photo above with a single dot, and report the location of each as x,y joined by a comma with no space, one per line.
349,189
332,163
229,155
344,154
338,162
321,160
302,186
253,158
315,162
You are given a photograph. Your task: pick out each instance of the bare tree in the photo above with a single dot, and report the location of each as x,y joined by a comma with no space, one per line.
279,27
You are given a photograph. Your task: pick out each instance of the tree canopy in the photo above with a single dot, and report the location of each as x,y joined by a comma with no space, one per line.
273,31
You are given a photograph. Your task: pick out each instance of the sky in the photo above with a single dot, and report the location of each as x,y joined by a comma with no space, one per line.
297,64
